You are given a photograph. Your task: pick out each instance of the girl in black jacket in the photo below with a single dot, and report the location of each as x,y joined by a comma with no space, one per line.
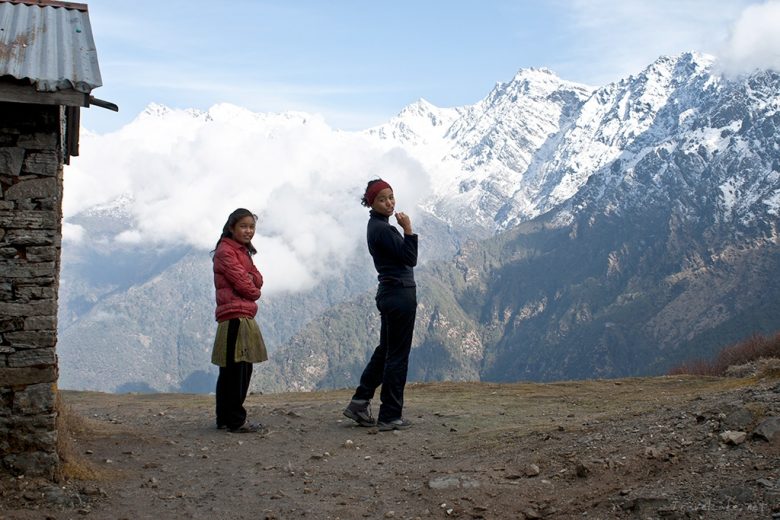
395,256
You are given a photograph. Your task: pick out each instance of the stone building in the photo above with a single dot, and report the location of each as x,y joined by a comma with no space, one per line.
48,68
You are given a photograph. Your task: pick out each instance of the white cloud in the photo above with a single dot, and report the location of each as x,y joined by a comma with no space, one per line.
130,236
615,38
72,233
754,42
185,173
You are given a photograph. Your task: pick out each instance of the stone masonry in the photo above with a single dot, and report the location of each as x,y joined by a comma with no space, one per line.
31,158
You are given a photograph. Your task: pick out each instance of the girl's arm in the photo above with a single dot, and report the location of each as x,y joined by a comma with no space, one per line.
257,278
403,249
242,281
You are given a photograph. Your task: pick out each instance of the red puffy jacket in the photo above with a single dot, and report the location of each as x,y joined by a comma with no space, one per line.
236,280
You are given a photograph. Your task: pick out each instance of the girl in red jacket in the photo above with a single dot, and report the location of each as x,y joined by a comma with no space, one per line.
239,342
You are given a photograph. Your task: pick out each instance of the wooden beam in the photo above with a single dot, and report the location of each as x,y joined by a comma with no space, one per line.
28,94
103,104
72,124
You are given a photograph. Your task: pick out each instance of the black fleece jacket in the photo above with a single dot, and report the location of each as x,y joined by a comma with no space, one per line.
394,254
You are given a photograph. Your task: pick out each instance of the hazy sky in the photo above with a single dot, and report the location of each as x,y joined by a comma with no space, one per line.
358,63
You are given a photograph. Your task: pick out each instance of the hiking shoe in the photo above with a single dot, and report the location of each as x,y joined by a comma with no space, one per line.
247,427
395,424
360,411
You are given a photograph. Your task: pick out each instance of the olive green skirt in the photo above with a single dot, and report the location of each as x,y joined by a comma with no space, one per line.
250,346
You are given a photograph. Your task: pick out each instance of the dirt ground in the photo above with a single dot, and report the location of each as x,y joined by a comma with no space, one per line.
632,448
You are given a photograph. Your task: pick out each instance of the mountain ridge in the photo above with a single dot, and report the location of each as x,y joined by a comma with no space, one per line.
595,233
644,249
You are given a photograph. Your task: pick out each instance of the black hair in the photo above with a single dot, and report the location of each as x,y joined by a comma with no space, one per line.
363,199
233,218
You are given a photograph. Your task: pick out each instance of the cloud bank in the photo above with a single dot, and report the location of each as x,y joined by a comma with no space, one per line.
180,173
610,39
754,40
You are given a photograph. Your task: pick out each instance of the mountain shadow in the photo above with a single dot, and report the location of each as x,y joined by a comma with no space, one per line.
199,382
135,387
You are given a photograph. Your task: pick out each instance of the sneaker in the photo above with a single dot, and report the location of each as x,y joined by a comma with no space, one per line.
247,427
395,424
360,412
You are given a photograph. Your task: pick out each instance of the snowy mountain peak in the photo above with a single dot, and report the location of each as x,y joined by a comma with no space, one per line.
679,68
233,115
536,77
699,60
228,110
538,72
535,83
155,110
120,206
420,107
419,124
224,112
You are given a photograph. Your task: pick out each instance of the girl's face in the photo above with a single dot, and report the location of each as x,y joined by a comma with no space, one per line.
243,230
384,202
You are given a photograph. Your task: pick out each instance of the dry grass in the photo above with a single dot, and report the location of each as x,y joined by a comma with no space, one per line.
509,411
72,465
768,368
753,349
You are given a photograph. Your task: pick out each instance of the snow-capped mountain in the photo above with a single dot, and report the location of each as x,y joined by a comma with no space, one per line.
656,239
600,231
478,156
704,140
532,143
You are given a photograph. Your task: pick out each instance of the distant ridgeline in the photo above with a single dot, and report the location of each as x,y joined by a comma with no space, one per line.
571,233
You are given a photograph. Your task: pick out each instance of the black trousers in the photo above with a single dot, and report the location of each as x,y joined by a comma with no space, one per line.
232,384
390,361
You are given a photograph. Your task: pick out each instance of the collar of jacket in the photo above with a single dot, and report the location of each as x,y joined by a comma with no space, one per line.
234,244
376,214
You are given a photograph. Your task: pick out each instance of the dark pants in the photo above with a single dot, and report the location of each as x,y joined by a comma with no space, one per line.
390,361
232,384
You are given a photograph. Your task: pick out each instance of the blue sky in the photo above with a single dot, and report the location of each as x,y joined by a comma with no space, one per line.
359,63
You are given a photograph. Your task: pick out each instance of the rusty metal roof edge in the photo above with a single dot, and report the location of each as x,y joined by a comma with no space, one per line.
52,48
50,3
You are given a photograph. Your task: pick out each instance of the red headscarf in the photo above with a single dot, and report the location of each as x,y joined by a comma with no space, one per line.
373,190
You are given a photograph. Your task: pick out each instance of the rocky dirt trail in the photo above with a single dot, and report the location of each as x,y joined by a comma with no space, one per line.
668,447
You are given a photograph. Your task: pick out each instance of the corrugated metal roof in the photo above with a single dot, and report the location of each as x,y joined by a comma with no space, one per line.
50,44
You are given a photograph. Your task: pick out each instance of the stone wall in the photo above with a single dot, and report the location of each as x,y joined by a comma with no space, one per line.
30,236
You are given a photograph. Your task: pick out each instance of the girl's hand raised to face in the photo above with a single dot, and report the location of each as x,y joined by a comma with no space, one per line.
405,222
